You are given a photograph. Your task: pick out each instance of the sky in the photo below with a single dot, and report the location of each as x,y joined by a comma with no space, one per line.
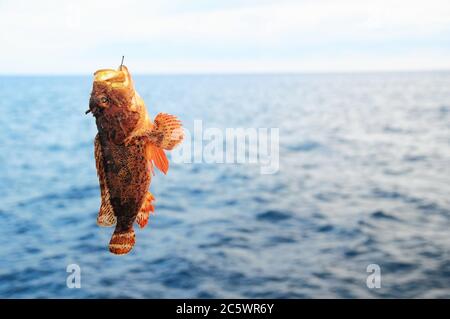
207,36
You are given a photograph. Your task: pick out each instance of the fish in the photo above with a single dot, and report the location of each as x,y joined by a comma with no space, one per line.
127,148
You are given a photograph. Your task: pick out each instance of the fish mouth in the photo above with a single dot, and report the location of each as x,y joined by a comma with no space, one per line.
114,78
107,81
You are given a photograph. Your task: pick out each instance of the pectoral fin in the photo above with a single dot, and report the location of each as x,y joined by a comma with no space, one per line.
106,217
168,131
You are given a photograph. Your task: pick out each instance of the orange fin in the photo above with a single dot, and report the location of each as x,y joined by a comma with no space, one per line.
105,216
157,157
122,242
170,129
144,213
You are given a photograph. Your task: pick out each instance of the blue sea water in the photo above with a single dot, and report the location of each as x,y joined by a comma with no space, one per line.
364,179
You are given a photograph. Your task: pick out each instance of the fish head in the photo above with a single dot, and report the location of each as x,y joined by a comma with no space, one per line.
114,102
113,90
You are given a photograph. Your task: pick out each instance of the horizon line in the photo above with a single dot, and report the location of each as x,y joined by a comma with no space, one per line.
256,72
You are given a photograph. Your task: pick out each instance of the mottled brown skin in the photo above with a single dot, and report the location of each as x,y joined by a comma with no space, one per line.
125,145
128,179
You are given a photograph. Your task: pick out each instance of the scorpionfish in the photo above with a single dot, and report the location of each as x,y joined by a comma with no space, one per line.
128,146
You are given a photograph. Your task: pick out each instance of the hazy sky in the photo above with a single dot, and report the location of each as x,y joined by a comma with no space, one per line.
179,36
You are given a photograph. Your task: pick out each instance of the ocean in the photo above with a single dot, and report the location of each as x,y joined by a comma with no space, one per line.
363,179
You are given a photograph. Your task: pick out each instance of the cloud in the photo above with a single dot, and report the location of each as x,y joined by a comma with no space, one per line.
239,36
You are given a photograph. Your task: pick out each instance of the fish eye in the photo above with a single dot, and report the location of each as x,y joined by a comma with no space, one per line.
104,99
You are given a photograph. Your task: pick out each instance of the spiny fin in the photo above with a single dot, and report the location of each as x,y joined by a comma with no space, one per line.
144,213
105,216
122,242
171,131
157,157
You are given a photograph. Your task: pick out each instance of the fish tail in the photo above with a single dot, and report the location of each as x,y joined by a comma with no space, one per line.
122,241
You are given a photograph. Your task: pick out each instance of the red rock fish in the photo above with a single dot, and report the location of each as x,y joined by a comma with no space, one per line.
127,147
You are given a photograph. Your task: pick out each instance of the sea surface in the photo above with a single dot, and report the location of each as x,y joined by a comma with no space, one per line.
364,178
